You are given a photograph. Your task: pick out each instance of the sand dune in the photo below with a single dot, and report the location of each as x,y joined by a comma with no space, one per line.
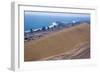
57,43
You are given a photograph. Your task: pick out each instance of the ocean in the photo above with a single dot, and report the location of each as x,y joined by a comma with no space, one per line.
35,20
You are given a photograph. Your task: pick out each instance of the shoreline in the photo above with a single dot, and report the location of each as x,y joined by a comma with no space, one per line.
34,35
34,48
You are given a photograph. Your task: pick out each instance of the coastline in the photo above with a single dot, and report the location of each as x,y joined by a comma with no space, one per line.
34,50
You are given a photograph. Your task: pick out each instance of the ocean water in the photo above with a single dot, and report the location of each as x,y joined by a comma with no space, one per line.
35,20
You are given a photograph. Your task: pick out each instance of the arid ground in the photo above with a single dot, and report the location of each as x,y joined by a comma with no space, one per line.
69,43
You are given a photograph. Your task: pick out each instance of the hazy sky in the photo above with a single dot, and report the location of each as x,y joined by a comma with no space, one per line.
56,14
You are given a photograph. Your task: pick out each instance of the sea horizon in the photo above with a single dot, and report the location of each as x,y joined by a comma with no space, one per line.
35,20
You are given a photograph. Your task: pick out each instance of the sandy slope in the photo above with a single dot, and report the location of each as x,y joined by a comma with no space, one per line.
57,43
80,51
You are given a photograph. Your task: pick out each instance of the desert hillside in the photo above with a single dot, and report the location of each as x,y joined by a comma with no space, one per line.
57,43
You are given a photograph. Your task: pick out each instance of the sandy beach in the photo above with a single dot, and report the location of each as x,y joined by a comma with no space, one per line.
69,43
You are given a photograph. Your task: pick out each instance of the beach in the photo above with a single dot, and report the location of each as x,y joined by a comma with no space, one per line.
68,43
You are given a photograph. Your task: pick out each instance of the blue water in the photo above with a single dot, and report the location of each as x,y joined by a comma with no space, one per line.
34,20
